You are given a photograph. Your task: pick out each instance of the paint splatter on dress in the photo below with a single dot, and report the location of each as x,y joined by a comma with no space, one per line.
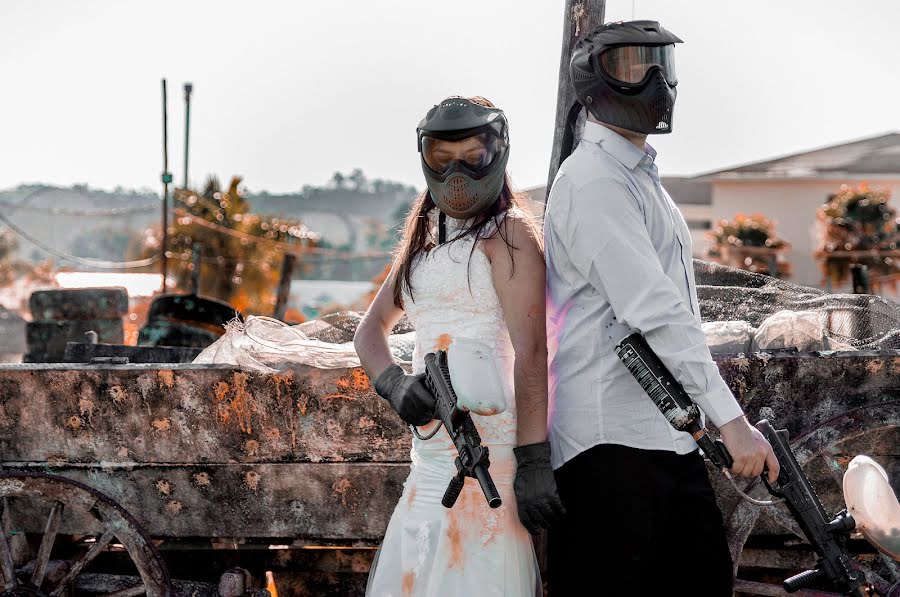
469,550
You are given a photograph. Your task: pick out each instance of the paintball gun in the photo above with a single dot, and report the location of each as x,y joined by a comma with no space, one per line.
828,536
473,457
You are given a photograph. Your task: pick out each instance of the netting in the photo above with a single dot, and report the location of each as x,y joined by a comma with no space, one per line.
785,315
741,312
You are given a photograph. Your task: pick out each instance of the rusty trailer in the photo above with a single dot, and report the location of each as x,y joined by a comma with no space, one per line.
147,471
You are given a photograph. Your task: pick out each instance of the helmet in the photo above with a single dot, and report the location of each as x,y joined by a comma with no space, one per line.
464,147
624,74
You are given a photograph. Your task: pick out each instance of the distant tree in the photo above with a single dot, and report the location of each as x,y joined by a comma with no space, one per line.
337,179
358,180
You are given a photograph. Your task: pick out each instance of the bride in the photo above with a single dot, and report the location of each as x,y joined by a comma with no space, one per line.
468,269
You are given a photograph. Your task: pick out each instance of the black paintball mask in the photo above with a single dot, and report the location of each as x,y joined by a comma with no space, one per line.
624,75
464,148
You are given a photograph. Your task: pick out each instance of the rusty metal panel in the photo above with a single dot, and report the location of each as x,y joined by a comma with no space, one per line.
315,504
188,414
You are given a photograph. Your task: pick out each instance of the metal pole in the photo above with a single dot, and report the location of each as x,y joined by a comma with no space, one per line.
188,87
196,248
166,179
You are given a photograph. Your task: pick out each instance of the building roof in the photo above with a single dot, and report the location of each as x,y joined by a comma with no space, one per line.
872,157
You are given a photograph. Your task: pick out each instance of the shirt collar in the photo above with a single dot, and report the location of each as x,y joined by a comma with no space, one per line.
616,145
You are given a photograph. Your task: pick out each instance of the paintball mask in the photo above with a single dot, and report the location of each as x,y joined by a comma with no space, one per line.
464,148
624,74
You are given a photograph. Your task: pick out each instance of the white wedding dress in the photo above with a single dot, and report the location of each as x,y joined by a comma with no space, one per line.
469,550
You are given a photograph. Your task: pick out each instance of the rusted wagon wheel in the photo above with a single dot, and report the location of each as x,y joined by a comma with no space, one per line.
824,453
43,576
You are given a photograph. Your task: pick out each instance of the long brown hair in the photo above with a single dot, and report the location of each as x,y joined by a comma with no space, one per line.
415,230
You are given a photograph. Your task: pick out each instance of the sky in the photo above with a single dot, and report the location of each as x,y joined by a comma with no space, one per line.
288,92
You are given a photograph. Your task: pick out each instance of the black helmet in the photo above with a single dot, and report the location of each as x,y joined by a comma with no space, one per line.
466,184
624,74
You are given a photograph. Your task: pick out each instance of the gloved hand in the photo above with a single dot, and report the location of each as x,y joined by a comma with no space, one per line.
535,487
407,394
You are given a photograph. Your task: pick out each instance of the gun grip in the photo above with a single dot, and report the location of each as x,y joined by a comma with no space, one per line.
454,488
724,455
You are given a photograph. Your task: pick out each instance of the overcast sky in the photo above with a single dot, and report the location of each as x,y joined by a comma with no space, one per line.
286,93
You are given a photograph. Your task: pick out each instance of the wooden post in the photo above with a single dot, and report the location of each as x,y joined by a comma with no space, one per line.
284,285
580,17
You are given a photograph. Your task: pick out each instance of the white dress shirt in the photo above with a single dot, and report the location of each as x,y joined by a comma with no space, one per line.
619,260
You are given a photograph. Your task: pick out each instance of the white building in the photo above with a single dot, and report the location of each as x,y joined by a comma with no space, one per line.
789,190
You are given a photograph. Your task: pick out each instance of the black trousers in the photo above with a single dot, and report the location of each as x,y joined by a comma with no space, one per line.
639,522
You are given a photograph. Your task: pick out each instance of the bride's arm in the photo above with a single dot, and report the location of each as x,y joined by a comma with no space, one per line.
518,276
371,336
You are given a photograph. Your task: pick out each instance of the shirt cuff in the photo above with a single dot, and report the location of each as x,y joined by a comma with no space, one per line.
721,406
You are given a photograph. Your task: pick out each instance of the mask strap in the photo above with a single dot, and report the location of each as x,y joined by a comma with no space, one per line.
442,228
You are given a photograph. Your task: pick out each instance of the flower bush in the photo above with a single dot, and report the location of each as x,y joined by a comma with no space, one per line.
749,242
858,219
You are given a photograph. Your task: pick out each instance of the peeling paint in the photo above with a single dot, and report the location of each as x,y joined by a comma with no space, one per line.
74,422
161,424
251,447
875,366
251,480
174,507
366,422
344,489
117,394
86,408
163,487
167,378
201,479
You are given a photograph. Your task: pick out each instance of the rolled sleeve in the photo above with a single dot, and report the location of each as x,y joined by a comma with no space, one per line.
610,246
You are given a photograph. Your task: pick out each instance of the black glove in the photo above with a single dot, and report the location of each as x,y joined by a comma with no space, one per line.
535,487
407,394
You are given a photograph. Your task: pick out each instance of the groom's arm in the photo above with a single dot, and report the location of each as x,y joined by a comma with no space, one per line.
608,243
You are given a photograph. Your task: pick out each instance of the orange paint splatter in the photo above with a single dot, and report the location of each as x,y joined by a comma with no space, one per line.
220,390
117,394
464,518
251,480
411,497
453,535
241,403
443,342
164,487
356,381
174,507
409,579
251,446
161,424
167,378
74,422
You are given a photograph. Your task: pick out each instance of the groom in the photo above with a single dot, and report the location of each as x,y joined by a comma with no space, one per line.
642,517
